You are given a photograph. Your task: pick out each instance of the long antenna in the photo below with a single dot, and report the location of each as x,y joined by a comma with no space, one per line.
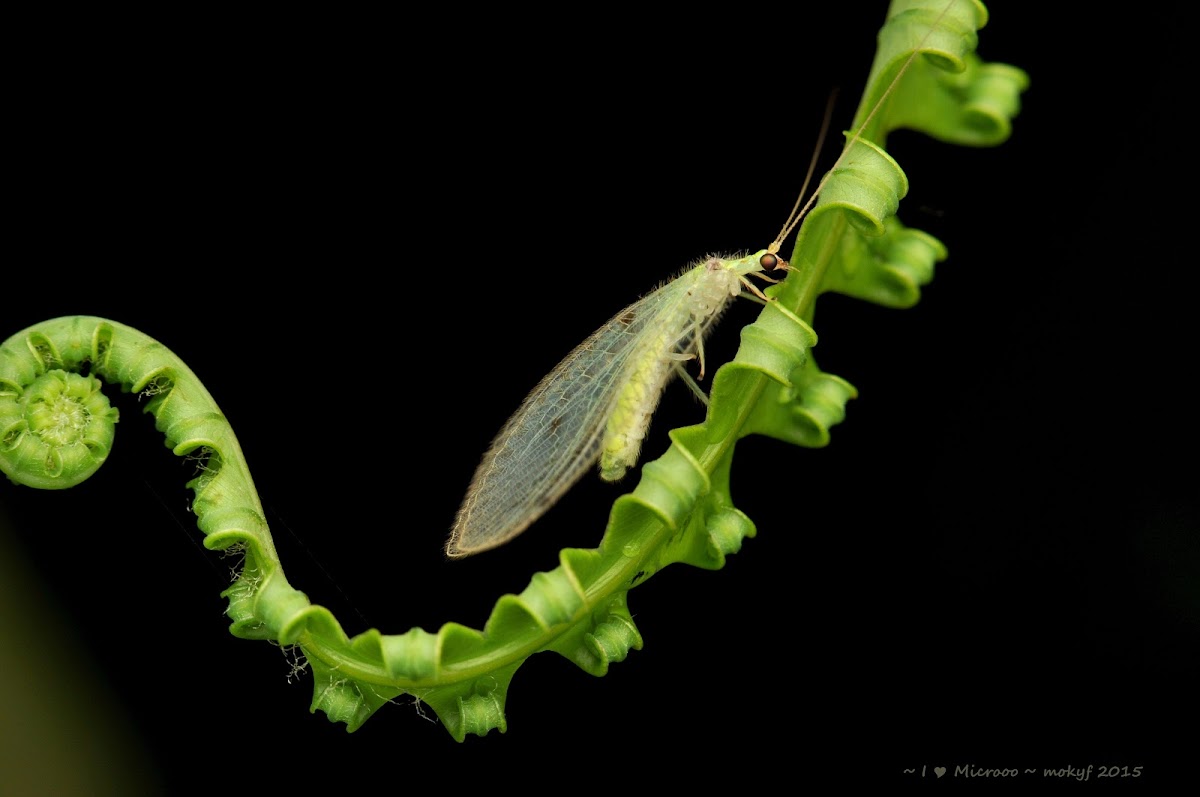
794,218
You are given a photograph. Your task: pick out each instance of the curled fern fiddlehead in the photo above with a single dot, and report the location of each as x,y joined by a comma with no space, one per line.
56,429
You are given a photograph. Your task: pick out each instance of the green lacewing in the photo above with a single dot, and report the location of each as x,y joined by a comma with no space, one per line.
597,403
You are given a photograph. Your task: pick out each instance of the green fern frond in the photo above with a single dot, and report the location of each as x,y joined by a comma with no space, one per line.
56,428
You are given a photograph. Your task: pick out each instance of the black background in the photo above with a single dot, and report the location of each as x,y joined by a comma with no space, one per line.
370,237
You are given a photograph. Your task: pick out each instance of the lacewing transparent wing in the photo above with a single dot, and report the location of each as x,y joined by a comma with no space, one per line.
595,405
